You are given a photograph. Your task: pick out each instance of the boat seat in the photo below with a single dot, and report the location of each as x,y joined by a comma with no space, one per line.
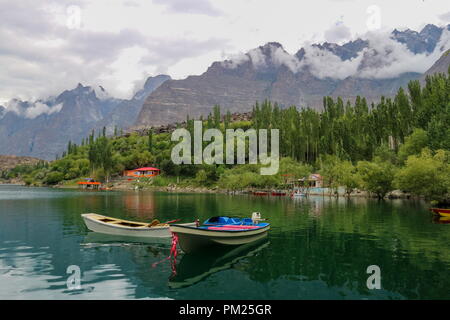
128,224
161,225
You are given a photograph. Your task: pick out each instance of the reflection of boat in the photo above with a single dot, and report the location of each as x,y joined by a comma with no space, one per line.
278,193
441,212
193,268
120,227
95,239
441,220
197,238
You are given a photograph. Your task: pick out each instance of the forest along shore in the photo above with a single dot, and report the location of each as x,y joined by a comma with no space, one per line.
136,185
400,143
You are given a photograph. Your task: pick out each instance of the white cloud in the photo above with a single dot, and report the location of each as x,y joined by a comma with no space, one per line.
281,57
384,58
41,56
338,33
234,60
190,7
389,58
445,17
32,110
324,64
257,57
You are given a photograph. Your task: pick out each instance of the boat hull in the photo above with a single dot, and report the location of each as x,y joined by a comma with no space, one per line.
194,239
141,230
441,212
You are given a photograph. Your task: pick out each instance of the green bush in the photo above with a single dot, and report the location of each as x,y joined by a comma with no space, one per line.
54,177
426,174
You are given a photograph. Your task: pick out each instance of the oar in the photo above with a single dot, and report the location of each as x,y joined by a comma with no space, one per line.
172,221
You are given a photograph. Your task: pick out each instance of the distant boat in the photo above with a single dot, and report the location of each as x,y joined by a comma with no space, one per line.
120,227
441,212
218,232
260,193
298,194
278,193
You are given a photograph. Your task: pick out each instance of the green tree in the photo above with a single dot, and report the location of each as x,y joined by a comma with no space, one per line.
348,176
150,140
377,176
54,178
201,177
426,175
413,144
331,172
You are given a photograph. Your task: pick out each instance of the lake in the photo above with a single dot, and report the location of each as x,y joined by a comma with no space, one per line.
317,248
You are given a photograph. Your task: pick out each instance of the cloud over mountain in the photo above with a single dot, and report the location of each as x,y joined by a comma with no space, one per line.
32,110
382,57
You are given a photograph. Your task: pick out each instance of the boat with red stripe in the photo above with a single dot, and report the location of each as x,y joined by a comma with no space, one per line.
222,231
441,212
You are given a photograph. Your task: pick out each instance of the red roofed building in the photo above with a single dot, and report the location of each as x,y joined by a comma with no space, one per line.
145,172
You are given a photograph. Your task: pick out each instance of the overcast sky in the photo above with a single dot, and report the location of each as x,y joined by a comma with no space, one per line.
48,46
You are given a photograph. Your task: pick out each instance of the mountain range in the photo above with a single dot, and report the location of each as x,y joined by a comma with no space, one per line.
43,129
367,67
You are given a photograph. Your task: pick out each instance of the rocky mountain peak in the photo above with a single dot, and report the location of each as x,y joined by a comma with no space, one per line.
150,85
270,45
151,82
442,65
102,94
419,42
430,30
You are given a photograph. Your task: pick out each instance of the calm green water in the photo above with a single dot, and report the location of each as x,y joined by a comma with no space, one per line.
318,248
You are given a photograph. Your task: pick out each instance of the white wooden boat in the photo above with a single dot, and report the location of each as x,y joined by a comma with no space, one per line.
298,193
108,225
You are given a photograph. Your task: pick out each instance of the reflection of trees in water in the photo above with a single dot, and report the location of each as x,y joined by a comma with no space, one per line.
316,238
140,204
341,260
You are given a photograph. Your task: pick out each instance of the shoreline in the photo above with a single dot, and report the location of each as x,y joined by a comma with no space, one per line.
133,186
395,194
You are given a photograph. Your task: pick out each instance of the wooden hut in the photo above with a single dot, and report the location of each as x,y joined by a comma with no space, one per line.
145,172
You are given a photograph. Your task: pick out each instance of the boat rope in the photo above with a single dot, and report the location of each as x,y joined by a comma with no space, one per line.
173,253
173,249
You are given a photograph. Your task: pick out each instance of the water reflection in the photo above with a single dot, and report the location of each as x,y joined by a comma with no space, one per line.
317,248
195,267
441,220
140,204
93,239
